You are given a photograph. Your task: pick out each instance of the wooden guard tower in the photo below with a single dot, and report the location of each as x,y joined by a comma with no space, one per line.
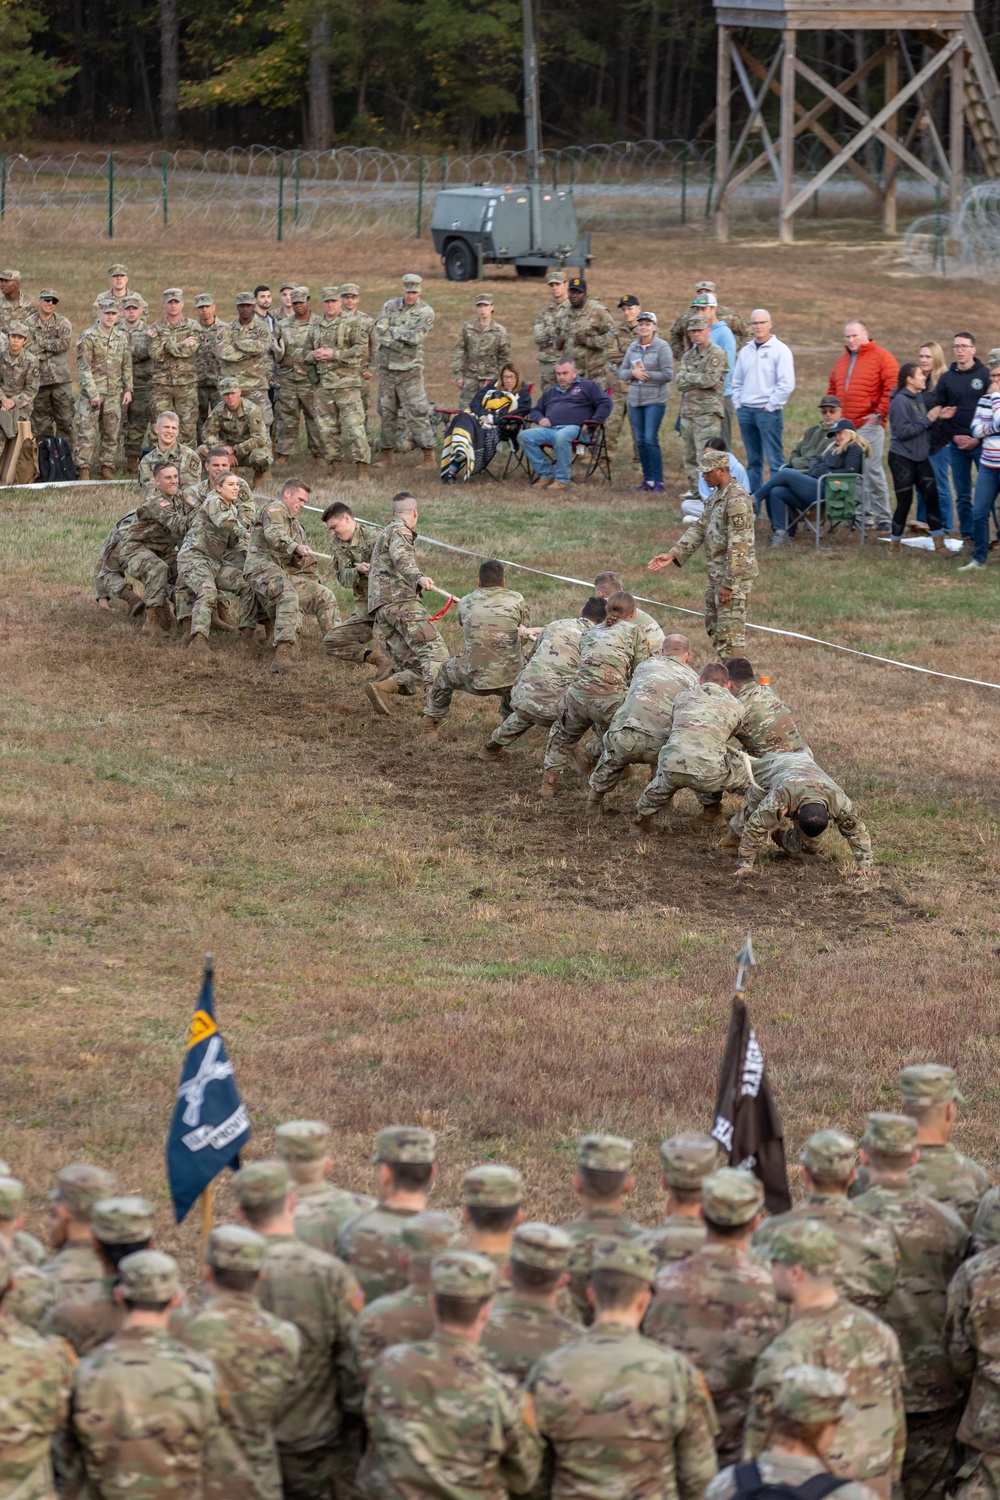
948,28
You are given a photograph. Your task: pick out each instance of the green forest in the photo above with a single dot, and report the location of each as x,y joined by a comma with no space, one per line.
398,73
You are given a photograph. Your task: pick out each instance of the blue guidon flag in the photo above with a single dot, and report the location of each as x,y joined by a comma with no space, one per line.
210,1124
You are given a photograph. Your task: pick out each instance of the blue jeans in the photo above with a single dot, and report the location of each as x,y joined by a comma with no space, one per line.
561,439
962,460
786,488
762,432
987,489
941,468
646,429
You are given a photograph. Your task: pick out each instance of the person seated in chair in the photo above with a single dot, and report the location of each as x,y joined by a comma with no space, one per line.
494,415
560,413
843,454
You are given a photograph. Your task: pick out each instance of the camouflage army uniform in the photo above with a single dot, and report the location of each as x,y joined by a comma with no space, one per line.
75,1271
768,726
700,381
137,413
411,639
405,1317
340,411
175,374
619,343
549,334
14,310
349,641
696,753
589,1226
970,1337
402,399
492,655
206,564
188,468
244,430
785,782
36,1375
368,367
650,631
480,355
207,364
675,1239
371,1244
148,551
945,1175
20,1254
866,1268
782,1468
520,1331
538,692
49,340
609,654
19,380
296,393
641,726
285,583
247,352
678,338
587,335
322,1210
104,367
727,530
88,1320
986,1224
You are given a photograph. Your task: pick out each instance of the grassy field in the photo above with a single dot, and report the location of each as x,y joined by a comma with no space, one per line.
404,933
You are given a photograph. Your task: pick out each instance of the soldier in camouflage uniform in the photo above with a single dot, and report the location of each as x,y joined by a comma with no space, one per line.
970,1338
297,394
833,1334
697,752
239,424
405,1317
482,350
442,1423
640,728
401,330
146,1412
537,695
121,1227
321,1210
700,382
169,449
986,1224
118,288
491,1210
174,341
587,335
550,328
609,655
602,1181
210,560
50,335
395,584
109,574
768,727
24,1247
28,1299
137,413
352,543
525,1321
317,1293
350,294
284,574
18,380
36,1376
148,551
255,1354
14,304
809,1407
867,1256
492,619
608,583
686,1160
207,357
248,348
406,1165
622,337
622,1416
719,1306
932,1243
795,800
76,1268
727,530
678,335
337,351
104,367
930,1095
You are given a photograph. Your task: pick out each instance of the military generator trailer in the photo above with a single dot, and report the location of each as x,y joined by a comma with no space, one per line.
477,226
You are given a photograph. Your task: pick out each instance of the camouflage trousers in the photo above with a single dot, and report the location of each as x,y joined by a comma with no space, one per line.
308,1475
52,413
726,624
932,1453
260,395
695,433
202,578
97,429
623,748
546,371
257,459
208,396
402,402
373,427
618,419
136,420
455,677
156,574
978,1478
285,597
471,386
109,575
578,713
707,776
414,644
183,399
351,640
295,401
342,422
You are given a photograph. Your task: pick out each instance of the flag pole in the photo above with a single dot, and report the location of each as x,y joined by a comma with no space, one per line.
207,1198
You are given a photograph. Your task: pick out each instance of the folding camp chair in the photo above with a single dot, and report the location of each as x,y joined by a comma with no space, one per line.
839,501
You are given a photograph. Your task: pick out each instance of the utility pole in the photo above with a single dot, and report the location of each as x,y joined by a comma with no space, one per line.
532,122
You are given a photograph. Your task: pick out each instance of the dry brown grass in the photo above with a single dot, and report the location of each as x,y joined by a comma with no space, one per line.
398,930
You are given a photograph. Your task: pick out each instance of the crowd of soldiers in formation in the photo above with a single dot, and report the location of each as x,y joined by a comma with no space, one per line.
342,1347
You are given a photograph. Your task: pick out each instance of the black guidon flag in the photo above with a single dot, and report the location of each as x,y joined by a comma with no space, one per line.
747,1124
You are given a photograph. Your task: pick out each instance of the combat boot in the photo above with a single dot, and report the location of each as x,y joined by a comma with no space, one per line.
895,546
595,802
248,636
377,658
385,462
269,632
199,645
132,465
729,840
281,661
580,757
378,692
550,780
82,472
107,472
430,460
642,824
132,601
708,817
361,469
157,622
337,468
491,751
222,619
432,728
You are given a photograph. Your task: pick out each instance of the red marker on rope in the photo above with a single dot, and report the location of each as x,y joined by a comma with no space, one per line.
451,598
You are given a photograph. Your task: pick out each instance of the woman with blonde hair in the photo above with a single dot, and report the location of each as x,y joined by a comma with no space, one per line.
930,358
845,453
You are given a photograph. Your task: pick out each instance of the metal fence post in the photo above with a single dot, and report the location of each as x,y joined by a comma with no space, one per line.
298,176
684,185
3,187
111,195
420,194
444,170
555,170
163,167
281,195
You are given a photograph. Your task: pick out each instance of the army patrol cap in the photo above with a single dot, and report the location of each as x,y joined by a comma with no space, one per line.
712,458
577,284
731,1197
429,1233
492,1187
228,386
929,1083
542,1246
830,1153
704,286
698,321
245,299
892,1135
122,1221
303,1140
204,299
233,1248
604,1153
80,1186
806,1393
993,358
556,276
629,300
625,1257
48,295
406,1143
330,294
20,328
118,269
300,294
11,1197
485,299
261,1182
10,275
173,294
134,300
148,1277
287,286
412,282
463,1273
350,289
107,303
807,1243
6,1269
688,1158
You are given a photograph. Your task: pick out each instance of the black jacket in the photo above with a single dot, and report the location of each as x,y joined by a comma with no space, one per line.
961,389
845,460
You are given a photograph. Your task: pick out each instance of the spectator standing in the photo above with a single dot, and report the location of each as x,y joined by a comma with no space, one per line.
961,386
720,333
647,369
863,380
763,379
986,429
931,360
560,414
910,423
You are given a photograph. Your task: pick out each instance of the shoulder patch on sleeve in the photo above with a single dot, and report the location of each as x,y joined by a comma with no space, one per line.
274,510
357,1298
165,504
528,1414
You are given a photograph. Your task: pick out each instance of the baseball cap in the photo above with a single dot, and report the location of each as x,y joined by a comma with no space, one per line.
629,300
647,317
843,425
577,284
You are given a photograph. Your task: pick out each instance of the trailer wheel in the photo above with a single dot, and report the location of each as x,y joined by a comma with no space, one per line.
532,273
459,261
